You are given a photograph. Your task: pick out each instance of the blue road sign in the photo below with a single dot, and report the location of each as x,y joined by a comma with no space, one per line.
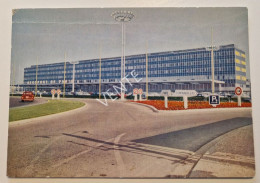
214,100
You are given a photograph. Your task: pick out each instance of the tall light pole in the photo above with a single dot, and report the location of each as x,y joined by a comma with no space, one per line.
36,78
13,81
123,17
212,48
146,72
64,78
100,72
73,74
212,64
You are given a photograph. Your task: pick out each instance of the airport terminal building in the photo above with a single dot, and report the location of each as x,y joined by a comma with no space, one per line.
173,70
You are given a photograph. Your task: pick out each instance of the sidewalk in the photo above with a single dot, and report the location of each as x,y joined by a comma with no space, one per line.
230,155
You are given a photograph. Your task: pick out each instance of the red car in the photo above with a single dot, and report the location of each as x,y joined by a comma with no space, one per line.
27,96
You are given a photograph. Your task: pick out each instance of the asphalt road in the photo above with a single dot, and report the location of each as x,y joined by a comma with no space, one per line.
121,140
16,102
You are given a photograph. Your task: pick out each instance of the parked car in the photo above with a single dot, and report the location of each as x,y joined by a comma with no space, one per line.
27,96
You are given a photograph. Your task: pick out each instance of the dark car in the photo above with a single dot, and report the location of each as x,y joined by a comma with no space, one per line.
27,96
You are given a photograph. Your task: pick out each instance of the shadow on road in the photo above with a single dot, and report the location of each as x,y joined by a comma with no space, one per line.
194,138
132,147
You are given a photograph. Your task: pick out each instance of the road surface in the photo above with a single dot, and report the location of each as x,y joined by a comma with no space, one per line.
122,140
16,102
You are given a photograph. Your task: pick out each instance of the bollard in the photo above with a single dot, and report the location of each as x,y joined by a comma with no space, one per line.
239,101
185,100
52,96
135,97
166,101
140,97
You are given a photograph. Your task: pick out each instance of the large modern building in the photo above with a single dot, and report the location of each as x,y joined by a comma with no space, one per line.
172,70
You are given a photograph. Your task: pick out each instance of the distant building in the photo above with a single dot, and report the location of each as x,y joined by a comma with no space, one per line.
183,70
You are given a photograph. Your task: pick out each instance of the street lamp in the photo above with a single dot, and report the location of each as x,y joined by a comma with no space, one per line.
123,16
212,49
73,74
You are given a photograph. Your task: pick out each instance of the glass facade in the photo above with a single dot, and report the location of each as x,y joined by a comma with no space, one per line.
165,69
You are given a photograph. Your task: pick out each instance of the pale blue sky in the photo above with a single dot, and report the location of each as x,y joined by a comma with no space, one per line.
48,33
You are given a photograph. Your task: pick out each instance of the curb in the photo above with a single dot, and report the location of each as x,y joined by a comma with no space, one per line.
207,109
192,110
145,105
32,120
204,149
29,105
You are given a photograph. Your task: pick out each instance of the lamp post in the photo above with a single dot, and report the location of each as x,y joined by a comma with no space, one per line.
212,49
36,78
64,77
123,16
73,74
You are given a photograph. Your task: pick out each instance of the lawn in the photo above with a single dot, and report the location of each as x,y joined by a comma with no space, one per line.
51,107
178,105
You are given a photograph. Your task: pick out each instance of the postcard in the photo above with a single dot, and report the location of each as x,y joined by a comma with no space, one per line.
130,93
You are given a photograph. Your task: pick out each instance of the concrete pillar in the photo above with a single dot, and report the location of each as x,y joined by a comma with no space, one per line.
166,101
185,100
135,97
239,103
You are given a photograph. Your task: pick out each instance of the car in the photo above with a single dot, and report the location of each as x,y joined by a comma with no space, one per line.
27,96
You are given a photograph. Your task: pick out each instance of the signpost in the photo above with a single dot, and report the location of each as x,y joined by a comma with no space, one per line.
135,92
53,91
166,93
189,93
140,92
185,94
238,92
214,100
58,93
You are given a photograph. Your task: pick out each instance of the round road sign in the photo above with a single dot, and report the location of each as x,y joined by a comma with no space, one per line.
238,91
135,91
140,91
53,91
58,91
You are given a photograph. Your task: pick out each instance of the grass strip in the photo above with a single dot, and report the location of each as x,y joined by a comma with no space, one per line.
51,107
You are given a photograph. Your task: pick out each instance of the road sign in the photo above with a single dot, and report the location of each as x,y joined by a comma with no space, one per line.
58,91
238,91
214,100
135,91
166,92
188,93
140,91
53,91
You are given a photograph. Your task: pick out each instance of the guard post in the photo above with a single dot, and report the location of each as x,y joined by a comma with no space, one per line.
185,94
185,100
53,91
58,93
135,93
166,94
238,92
140,92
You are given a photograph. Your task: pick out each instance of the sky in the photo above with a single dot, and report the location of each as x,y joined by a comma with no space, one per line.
47,34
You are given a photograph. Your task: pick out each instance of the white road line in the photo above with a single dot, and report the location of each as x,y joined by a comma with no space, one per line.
79,154
119,160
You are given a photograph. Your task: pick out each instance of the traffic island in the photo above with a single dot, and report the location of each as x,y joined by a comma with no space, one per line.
51,107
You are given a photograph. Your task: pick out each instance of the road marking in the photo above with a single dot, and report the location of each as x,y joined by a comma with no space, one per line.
119,160
29,168
79,154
